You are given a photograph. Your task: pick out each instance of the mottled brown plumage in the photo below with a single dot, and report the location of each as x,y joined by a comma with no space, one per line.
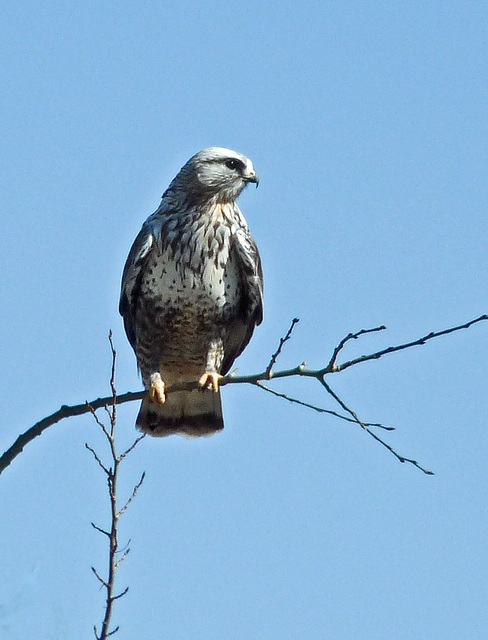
192,292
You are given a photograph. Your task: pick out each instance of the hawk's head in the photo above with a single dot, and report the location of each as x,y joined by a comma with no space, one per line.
217,172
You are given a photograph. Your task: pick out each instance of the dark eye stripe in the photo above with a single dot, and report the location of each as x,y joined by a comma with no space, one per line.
233,163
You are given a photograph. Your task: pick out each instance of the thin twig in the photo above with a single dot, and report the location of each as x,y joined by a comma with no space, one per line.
373,435
319,409
119,595
341,403
112,382
134,493
107,533
97,419
276,355
105,584
95,455
133,446
122,558
342,343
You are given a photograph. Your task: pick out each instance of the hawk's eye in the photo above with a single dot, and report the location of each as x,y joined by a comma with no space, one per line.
232,164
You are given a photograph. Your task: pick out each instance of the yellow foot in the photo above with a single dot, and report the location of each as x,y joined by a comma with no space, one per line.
156,390
210,380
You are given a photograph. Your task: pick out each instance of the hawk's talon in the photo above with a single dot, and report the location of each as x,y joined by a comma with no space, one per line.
210,380
156,390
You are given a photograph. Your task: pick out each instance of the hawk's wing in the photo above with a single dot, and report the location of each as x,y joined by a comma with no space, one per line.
132,276
251,271
251,307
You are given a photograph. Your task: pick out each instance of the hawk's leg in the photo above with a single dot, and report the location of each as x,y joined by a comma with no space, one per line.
156,390
215,354
210,380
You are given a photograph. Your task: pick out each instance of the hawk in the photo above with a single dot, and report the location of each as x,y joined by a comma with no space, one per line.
192,293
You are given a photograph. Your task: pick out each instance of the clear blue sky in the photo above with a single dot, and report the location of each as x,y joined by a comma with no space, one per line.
368,125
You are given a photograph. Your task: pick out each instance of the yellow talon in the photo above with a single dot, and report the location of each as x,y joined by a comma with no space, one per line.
210,380
156,390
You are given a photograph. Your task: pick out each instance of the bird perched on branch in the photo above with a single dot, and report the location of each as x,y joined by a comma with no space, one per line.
192,293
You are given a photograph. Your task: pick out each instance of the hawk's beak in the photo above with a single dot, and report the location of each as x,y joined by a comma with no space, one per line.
252,177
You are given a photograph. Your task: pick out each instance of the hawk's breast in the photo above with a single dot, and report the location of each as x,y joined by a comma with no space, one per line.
194,275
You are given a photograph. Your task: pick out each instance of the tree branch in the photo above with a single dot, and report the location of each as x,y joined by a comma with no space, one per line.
407,345
373,435
342,343
266,375
319,409
112,474
276,354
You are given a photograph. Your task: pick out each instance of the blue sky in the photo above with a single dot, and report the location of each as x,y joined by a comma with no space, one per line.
367,123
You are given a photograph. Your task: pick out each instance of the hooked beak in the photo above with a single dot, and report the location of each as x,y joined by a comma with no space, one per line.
252,177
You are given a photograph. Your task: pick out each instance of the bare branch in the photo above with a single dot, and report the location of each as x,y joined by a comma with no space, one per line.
122,558
276,355
119,595
112,473
319,409
113,415
407,345
62,413
95,455
105,584
342,343
134,493
92,410
132,447
399,457
107,533
114,358
373,435
268,374
341,403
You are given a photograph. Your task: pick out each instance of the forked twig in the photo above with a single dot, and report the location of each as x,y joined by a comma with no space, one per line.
371,433
408,345
319,409
112,474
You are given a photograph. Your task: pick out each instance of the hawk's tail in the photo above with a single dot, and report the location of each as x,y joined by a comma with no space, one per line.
190,413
